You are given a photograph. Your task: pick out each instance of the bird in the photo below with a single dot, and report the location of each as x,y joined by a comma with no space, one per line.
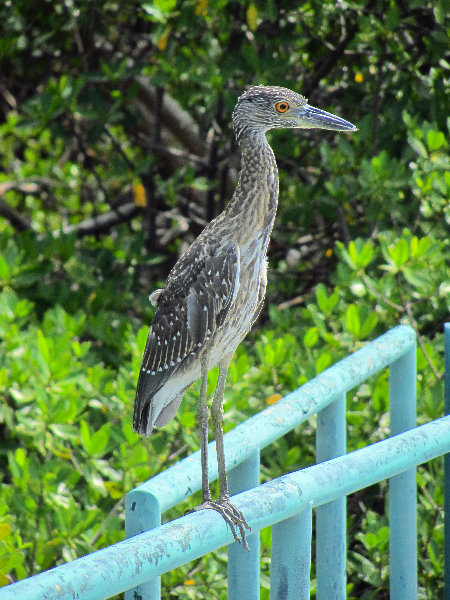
215,291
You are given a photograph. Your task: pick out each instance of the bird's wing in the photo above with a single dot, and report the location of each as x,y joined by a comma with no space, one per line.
192,306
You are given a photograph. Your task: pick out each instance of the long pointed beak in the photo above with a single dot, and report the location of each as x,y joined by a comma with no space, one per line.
314,118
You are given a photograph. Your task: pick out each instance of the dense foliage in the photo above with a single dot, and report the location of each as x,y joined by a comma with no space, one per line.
115,150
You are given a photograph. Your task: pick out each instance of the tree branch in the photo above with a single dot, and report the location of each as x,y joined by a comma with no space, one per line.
179,122
102,223
19,222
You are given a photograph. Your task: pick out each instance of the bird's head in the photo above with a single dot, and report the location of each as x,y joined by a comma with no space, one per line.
263,107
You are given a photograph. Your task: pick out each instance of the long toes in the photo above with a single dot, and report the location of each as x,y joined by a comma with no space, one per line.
244,539
238,516
230,514
235,513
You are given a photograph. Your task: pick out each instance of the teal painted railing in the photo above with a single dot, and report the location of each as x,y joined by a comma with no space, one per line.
286,503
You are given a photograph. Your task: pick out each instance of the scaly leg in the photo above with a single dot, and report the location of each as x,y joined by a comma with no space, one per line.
217,418
202,421
232,516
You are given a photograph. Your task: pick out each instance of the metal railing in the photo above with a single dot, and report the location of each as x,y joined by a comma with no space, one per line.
286,503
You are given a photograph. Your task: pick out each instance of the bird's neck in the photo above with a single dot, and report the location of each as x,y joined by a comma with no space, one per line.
256,196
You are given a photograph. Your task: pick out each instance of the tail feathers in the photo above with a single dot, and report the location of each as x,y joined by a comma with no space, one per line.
146,409
169,411
143,419
153,408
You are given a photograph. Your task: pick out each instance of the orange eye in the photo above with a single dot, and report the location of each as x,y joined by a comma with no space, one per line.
282,107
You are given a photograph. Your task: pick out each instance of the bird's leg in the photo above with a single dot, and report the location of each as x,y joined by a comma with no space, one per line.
202,421
217,418
232,516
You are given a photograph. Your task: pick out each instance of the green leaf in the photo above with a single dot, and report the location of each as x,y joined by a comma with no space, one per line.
440,11
323,362
418,147
43,346
368,325
366,255
352,320
154,13
20,457
419,278
435,140
99,439
64,431
353,253
311,337
322,298
424,246
165,6
5,530
85,437
400,252
4,269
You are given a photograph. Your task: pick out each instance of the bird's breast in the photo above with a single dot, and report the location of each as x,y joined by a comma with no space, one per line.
252,282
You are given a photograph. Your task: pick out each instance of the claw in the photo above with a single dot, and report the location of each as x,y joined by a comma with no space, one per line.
231,515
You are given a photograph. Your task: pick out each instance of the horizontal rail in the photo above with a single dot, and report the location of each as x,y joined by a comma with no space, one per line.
184,478
133,561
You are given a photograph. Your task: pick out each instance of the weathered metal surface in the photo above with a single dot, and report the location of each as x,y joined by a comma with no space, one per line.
243,567
291,557
183,479
331,518
133,561
403,487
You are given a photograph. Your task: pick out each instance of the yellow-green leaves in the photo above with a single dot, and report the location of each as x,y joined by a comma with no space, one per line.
252,16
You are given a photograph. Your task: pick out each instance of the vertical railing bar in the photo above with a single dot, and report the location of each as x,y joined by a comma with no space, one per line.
142,513
290,568
331,517
243,567
402,487
447,467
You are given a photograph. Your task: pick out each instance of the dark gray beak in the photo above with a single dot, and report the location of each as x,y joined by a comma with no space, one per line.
309,117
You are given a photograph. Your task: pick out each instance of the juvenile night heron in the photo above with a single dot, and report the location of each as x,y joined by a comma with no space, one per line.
216,290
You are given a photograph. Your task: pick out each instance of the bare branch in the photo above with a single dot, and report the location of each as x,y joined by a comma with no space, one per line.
102,223
174,118
19,222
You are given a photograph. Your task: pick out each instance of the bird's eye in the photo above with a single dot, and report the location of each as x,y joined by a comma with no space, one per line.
281,107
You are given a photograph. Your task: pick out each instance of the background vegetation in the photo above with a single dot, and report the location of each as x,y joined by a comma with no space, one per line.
115,151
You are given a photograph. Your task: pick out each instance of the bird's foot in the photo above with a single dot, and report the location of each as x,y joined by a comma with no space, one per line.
231,515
